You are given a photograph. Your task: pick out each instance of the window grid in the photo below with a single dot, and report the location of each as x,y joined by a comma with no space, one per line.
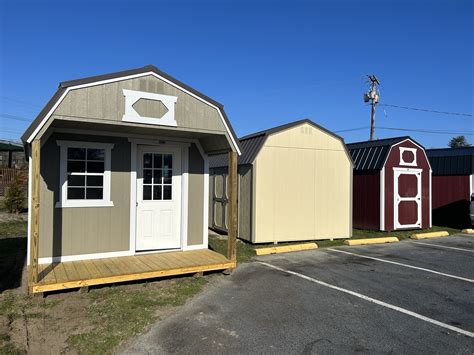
157,176
90,190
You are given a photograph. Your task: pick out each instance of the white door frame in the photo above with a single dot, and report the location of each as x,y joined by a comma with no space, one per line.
396,198
133,191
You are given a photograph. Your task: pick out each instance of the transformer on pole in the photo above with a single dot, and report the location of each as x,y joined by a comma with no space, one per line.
372,96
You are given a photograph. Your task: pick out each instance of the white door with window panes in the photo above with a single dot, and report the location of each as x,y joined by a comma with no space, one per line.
158,198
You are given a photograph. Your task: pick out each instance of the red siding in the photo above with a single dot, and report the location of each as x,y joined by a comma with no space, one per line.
366,200
451,200
393,161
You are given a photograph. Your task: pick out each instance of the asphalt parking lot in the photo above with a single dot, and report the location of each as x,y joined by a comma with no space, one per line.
407,297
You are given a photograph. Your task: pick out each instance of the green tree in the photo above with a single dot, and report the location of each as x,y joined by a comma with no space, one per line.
459,141
15,196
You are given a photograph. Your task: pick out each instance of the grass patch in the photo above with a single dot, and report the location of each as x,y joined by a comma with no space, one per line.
10,349
245,251
118,313
13,229
404,234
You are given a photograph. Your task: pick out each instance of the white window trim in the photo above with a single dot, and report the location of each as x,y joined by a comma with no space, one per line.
406,149
63,201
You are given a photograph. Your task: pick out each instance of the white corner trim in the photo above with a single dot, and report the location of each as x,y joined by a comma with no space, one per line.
30,189
205,224
406,149
133,196
184,195
431,201
101,82
131,115
382,199
63,201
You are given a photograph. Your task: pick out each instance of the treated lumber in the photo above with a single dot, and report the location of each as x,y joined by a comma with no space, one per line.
232,209
35,211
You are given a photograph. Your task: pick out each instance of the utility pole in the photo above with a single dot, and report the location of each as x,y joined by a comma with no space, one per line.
373,96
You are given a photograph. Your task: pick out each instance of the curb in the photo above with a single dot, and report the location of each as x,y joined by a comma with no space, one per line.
371,241
429,235
286,248
468,231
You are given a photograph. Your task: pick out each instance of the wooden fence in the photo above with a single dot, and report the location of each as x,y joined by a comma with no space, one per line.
7,175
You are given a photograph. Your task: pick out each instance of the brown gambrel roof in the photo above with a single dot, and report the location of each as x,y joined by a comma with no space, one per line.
252,143
146,69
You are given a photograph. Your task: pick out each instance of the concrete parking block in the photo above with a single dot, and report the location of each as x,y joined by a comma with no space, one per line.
366,241
430,235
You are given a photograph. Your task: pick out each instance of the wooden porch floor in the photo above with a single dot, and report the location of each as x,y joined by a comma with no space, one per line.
74,274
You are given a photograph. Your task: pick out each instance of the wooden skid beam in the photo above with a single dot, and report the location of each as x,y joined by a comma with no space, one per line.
131,277
232,209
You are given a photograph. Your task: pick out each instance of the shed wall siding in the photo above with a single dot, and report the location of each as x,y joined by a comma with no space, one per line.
106,102
366,205
73,231
303,187
195,197
245,202
451,200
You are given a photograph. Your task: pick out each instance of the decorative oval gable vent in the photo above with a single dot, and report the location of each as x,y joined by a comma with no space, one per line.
149,108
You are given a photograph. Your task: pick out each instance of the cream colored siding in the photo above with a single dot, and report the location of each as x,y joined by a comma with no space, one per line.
195,197
73,231
303,187
106,102
245,202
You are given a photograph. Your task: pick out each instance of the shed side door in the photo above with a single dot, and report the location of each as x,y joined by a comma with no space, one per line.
219,202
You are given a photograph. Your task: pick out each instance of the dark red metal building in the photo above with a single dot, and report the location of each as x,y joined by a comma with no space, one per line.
392,185
453,179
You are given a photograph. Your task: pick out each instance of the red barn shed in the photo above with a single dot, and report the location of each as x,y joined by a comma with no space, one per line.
453,180
392,184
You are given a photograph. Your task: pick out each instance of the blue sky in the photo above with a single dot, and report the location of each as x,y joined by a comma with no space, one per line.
268,62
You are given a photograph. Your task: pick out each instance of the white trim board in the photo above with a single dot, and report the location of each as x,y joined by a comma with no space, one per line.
64,202
397,198
101,82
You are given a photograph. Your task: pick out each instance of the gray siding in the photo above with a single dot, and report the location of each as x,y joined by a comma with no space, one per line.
72,231
88,230
218,200
195,197
106,102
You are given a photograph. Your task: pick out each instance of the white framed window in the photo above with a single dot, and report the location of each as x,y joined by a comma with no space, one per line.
408,156
84,169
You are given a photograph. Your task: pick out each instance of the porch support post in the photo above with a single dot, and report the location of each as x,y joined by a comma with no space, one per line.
35,206
232,208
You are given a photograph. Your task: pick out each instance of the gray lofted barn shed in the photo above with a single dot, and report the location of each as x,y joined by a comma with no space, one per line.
119,180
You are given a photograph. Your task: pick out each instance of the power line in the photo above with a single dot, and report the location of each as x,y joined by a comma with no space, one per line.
427,110
352,129
467,133
19,102
14,117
